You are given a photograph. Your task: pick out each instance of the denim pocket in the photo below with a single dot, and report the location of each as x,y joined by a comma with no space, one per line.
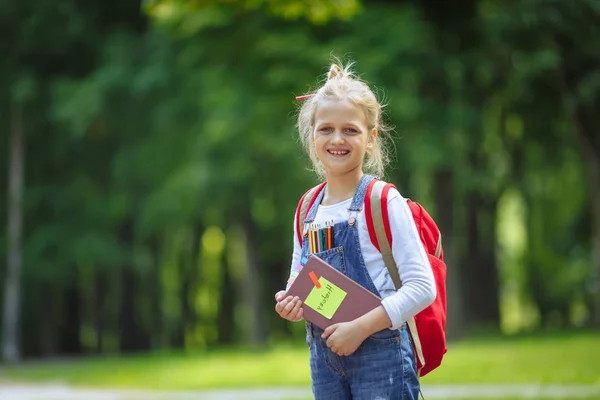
385,336
333,257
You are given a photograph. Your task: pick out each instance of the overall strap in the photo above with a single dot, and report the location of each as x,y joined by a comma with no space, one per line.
359,193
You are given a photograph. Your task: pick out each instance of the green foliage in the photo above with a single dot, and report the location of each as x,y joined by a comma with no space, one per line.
191,17
149,138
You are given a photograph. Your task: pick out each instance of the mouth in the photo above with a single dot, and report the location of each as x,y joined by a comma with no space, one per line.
338,152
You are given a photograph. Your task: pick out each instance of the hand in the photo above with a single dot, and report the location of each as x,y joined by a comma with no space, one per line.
344,338
289,307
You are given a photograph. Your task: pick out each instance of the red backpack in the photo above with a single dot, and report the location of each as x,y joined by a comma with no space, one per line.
427,328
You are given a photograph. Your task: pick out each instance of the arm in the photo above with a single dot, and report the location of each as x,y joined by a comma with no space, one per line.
294,270
287,307
418,286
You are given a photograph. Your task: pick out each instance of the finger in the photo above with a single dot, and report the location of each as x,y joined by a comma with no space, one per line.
295,317
281,305
290,305
297,306
287,310
300,314
279,309
296,310
329,330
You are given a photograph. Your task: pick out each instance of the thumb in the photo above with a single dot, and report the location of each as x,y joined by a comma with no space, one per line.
329,330
280,295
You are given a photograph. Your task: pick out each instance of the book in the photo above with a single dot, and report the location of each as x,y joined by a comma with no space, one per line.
328,296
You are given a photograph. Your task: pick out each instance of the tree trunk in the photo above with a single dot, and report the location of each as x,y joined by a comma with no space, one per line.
178,336
131,335
252,288
100,287
594,179
12,289
480,276
444,196
47,327
157,336
226,321
489,306
584,116
188,277
591,152
70,341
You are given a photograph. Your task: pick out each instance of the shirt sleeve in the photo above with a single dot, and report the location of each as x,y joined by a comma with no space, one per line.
295,267
418,285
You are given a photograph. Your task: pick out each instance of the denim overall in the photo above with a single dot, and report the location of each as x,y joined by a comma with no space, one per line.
383,367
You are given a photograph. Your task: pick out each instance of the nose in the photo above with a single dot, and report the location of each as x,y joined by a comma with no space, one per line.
337,137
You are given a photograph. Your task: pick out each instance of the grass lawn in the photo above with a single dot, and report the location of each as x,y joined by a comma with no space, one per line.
556,359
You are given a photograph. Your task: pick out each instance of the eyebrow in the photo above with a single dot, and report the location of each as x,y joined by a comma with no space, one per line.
355,125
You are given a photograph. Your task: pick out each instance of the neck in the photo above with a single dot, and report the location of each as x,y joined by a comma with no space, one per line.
341,187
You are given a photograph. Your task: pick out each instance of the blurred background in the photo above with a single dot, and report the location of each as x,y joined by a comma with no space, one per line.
151,169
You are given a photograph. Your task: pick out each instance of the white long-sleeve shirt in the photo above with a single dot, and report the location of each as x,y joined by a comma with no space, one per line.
418,286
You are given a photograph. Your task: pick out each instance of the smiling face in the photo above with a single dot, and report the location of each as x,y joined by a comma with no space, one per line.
341,137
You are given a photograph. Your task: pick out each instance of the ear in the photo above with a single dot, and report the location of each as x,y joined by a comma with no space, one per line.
371,139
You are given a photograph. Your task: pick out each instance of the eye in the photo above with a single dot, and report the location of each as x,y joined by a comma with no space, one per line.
351,131
326,129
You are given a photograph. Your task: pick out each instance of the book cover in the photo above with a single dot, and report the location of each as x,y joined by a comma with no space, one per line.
328,296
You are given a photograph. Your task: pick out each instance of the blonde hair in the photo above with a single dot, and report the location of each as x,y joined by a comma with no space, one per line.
341,84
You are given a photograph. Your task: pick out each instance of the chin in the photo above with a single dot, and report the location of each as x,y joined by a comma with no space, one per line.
340,171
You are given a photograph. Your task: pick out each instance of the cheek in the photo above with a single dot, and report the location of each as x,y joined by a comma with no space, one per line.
317,140
364,143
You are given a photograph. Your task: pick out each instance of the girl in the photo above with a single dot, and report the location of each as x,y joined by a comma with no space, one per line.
371,357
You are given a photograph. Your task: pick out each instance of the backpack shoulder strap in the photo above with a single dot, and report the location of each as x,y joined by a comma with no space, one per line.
378,224
304,205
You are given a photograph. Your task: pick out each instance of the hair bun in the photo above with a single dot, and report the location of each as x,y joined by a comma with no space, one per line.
335,72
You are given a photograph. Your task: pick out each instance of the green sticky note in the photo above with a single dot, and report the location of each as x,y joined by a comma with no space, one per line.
327,299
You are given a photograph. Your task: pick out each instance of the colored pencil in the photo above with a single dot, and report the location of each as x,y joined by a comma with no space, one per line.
321,239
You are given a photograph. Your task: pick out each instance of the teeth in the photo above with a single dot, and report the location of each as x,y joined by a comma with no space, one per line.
338,152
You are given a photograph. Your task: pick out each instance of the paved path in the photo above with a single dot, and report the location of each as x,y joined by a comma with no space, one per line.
59,392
